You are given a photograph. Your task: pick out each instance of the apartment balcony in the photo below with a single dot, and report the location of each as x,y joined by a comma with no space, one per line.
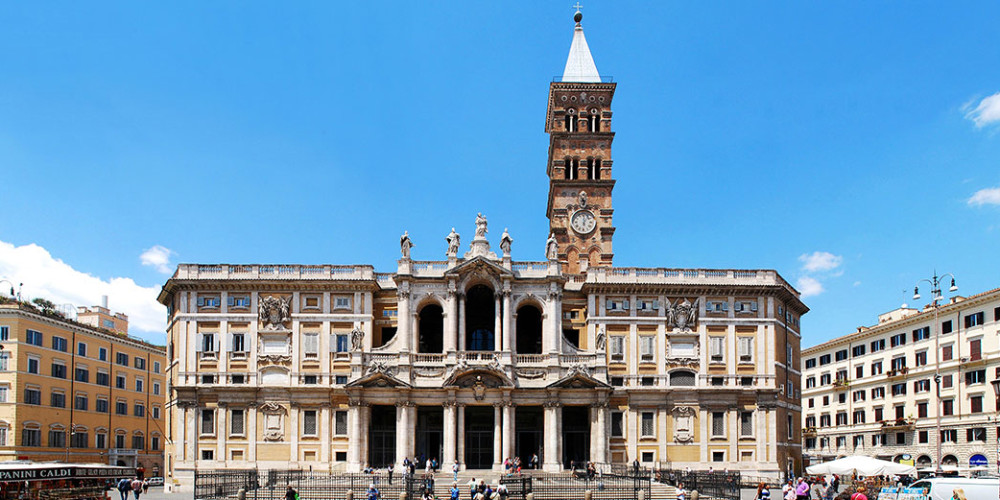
841,383
897,373
899,424
809,432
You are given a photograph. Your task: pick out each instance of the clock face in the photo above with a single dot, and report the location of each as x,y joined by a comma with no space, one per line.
583,221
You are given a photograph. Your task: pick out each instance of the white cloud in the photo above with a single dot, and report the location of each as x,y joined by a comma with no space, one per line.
809,286
157,257
988,196
986,113
45,276
820,261
857,283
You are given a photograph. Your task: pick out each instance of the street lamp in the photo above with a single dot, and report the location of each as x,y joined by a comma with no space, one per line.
935,283
12,294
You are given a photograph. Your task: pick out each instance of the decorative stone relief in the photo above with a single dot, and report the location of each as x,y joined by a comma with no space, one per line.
602,340
380,367
274,421
682,314
683,423
530,373
273,312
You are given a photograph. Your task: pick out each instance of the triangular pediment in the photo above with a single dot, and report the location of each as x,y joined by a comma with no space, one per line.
377,379
479,264
578,380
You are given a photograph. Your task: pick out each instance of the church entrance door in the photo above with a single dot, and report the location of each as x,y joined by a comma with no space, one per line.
576,435
430,428
382,436
529,425
479,440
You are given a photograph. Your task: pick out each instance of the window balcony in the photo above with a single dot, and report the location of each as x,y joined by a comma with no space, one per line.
897,373
899,424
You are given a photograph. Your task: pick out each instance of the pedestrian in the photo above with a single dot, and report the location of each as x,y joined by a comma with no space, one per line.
681,492
136,488
816,490
502,491
145,486
454,471
124,486
860,494
473,488
958,494
454,491
802,490
291,494
373,493
763,492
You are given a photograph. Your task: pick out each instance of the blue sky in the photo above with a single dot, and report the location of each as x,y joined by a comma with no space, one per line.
851,146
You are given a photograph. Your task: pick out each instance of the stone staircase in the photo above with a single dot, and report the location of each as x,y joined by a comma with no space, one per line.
658,491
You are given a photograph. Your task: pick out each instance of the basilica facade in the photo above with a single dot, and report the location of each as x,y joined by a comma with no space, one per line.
479,357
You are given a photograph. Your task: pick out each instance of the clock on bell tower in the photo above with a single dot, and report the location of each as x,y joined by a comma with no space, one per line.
578,122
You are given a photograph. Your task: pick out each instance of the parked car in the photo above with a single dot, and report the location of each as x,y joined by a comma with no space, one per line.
156,481
941,488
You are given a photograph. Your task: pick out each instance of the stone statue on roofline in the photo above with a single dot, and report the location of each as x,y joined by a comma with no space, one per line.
551,247
480,226
405,244
505,242
453,240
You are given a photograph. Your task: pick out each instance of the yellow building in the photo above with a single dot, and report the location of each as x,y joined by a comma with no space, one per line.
77,393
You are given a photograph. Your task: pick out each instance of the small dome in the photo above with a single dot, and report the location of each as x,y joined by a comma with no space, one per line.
578,16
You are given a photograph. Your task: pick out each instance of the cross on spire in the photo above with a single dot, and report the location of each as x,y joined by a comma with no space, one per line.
578,6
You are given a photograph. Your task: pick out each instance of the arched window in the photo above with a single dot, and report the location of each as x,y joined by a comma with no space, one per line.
597,168
571,120
949,460
682,378
529,330
480,317
595,120
431,329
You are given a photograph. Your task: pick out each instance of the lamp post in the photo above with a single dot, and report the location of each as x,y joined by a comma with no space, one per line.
12,294
935,283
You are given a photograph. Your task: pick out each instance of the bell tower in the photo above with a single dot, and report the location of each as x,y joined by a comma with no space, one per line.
578,121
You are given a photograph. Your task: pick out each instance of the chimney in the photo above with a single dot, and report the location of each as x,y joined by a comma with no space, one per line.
104,301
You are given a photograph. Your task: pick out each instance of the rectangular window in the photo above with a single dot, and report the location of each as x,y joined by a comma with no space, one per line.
810,382
156,412
946,327
101,441
101,406
975,435
646,348
120,441
946,381
138,442
207,342
899,363
974,319
648,424
975,350
841,418
154,443
58,400
34,337
897,340
236,421
900,411
79,439
859,441
121,358
746,349
139,410
31,437
119,381
309,423
899,389
138,385
922,334
238,301
717,349
617,424
718,424
59,344
877,345
859,396
340,379
825,379
976,404
746,424
859,371
103,379
58,370
342,303
947,407
4,333
33,365
859,416
310,345
156,367
921,386
80,403
81,375
239,342
975,377
617,348
3,393
139,363
841,355
811,363
876,368
102,354
156,388
340,423
4,361
33,396
207,421
121,408
922,409
824,359
946,353
878,439
878,414
920,359
949,436
340,342
824,420
81,349
57,438
858,350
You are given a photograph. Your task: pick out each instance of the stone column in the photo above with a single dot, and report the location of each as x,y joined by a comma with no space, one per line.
402,426
252,432
403,318
450,327
191,447
553,455
498,436
448,457
293,429
509,342
324,433
460,435
411,428
498,333
508,430
221,433
602,433
461,322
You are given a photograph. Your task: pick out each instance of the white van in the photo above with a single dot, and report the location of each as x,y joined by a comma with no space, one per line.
941,488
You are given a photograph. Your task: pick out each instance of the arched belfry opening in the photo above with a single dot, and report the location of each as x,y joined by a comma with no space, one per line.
480,318
529,330
431,329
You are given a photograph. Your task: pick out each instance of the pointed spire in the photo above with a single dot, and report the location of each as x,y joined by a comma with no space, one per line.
580,65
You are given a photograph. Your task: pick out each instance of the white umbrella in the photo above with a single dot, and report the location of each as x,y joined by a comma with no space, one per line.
865,466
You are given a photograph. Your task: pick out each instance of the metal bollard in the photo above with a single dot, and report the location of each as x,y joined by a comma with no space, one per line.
241,494
588,495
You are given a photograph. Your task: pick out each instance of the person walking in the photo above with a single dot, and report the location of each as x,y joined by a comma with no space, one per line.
136,488
802,490
291,494
454,471
454,491
124,486
763,492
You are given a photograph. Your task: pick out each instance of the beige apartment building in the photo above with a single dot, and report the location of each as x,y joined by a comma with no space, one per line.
898,389
71,392
478,357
